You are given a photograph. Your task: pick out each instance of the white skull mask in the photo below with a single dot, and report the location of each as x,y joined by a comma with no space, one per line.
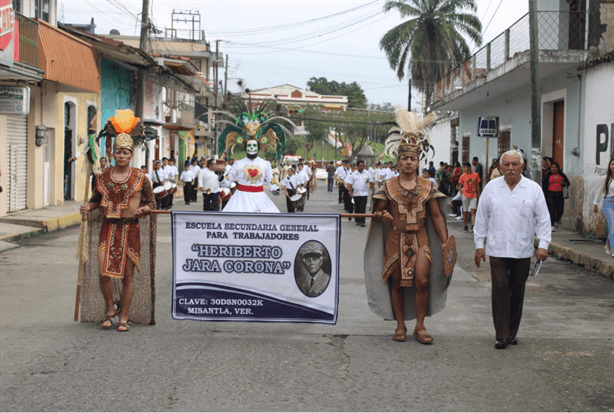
251,148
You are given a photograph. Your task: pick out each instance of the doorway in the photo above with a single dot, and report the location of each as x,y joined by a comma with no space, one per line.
69,151
558,132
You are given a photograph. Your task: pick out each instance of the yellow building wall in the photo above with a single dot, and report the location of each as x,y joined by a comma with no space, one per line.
53,103
3,165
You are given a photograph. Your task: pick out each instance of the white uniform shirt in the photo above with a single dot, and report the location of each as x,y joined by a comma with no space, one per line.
149,177
360,182
303,176
341,173
175,171
187,176
159,176
384,174
195,170
207,179
169,172
510,219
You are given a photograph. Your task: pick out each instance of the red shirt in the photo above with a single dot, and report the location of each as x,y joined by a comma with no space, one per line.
469,183
555,183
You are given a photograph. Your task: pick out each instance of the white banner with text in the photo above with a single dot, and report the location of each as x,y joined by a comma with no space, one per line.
256,267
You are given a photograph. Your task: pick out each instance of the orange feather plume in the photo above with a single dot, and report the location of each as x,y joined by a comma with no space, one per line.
124,121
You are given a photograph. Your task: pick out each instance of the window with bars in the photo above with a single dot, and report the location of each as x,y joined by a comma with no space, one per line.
503,142
466,148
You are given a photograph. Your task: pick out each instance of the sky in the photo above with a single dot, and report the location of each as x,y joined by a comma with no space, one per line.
271,43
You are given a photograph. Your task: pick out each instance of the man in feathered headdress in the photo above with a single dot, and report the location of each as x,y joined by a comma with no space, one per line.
403,257
121,196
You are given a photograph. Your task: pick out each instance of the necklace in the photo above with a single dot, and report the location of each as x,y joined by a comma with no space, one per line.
409,194
120,180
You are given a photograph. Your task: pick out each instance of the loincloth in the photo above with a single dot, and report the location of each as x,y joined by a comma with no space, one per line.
120,239
401,253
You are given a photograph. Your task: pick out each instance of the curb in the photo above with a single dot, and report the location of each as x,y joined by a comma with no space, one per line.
584,260
50,224
21,235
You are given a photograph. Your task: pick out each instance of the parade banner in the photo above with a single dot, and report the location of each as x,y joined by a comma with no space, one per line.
256,267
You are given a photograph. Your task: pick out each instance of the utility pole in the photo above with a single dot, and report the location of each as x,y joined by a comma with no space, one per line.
225,79
215,75
535,100
144,46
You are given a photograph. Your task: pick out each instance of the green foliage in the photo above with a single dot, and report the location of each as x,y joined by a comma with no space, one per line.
354,92
430,42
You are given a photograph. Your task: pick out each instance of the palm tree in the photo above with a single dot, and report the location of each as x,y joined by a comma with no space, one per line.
431,41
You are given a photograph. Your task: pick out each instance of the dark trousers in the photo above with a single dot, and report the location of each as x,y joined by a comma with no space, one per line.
289,204
347,201
340,186
211,202
509,276
307,185
187,192
330,183
194,193
456,207
556,206
360,207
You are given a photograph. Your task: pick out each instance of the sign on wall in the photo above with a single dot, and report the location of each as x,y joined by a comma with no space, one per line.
256,267
14,100
488,126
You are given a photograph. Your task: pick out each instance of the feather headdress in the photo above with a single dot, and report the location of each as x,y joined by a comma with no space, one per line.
245,124
410,134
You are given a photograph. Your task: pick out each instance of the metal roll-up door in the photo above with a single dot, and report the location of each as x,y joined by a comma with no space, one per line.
17,151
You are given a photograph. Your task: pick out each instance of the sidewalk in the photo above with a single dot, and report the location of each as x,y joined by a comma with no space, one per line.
565,245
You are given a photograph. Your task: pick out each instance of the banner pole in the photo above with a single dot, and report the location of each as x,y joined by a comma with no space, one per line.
160,212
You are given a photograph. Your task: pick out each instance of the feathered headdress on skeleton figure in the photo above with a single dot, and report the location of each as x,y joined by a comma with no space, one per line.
248,123
410,134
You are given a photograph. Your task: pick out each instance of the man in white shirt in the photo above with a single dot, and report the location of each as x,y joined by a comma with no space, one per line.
158,178
171,177
511,212
307,170
187,177
384,173
209,184
196,171
347,199
359,183
290,183
340,175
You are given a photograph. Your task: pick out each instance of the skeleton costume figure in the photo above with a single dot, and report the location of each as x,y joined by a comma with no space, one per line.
250,173
403,257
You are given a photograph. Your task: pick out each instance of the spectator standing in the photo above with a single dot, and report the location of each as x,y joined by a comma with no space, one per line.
330,170
607,195
494,171
432,170
477,168
470,190
456,173
552,185
511,213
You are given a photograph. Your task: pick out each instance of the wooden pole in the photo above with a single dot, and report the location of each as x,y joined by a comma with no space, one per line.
533,157
82,240
160,212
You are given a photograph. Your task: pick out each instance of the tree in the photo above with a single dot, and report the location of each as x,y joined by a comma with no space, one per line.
354,127
356,96
430,42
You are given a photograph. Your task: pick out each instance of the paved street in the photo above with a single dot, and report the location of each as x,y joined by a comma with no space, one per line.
564,360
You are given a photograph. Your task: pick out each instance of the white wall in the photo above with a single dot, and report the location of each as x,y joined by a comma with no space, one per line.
440,139
599,110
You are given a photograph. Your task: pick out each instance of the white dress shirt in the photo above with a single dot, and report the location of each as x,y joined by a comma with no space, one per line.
187,176
159,176
360,182
207,179
384,174
195,170
303,176
510,219
341,173
169,172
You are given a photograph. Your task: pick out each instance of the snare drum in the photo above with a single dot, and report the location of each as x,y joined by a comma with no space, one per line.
300,190
168,186
159,192
225,194
173,188
298,201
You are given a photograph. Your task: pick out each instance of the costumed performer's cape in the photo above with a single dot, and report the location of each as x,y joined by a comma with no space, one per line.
378,291
142,309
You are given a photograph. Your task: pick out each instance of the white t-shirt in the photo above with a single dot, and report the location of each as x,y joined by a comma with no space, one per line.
360,182
187,176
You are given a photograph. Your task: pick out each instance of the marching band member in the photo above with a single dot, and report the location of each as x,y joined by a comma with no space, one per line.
359,183
209,185
187,177
159,177
340,175
196,171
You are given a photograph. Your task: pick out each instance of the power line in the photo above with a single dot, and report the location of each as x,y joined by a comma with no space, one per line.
493,16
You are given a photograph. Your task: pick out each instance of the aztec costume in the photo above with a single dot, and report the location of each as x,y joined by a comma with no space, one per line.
121,238
252,172
393,246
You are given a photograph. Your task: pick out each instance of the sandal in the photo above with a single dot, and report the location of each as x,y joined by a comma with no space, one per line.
108,318
423,337
400,334
124,326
